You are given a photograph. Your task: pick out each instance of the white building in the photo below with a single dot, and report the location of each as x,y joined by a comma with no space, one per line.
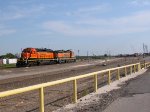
9,61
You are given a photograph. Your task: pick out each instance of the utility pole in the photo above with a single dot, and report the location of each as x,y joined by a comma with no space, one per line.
88,55
146,49
143,50
78,52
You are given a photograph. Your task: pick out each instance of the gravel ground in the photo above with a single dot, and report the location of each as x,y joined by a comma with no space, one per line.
18,82
55,97
97,102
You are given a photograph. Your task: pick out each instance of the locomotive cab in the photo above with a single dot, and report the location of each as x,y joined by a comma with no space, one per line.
29,53
26,55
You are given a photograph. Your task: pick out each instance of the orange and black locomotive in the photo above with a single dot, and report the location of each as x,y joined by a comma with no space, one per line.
36,56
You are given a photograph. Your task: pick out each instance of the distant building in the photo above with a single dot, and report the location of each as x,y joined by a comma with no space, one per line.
9,61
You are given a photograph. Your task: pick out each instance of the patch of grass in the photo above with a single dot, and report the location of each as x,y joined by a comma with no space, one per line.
8,66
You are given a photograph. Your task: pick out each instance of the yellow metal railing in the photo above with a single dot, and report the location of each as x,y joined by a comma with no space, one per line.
133,68
145,65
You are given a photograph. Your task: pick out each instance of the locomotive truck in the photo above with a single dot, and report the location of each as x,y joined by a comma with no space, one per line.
36,56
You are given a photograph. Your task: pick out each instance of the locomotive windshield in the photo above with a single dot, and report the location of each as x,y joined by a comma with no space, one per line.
26,50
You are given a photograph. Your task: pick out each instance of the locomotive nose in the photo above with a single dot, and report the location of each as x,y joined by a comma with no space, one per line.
25,55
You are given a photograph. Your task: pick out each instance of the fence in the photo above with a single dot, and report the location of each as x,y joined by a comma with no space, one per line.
133,68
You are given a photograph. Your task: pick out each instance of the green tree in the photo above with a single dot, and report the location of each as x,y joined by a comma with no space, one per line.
8,55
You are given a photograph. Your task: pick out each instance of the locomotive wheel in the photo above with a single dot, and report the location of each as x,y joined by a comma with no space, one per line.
38,63
28,65
18,65
59,61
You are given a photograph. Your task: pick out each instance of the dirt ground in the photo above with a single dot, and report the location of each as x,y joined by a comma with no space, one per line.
105,96
57,96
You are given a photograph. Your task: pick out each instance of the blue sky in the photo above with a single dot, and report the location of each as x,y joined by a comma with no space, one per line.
96,26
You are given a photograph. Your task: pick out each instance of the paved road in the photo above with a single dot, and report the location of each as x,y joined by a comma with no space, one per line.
136,98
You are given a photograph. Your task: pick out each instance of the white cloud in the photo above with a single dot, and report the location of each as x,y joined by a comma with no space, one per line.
57,26
98,8
137,19
138,22
5,30
17,12
91,10
140,2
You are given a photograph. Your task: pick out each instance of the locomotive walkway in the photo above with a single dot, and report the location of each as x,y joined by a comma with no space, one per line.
133,96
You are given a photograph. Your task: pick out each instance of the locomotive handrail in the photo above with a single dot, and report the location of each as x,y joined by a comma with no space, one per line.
133,67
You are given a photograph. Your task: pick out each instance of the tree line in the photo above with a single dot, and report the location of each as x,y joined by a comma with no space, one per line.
8,55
